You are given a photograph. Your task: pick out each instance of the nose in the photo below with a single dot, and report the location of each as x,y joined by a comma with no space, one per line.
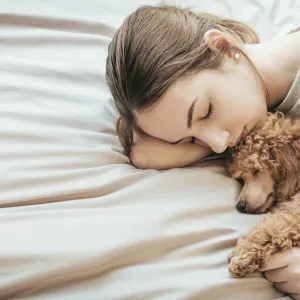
217,140
241,206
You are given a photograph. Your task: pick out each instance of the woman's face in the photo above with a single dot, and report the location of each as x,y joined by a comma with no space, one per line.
217,107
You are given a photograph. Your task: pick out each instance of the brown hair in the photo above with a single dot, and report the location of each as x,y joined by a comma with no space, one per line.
154,47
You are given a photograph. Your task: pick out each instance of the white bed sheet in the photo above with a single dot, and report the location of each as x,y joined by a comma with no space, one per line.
76,220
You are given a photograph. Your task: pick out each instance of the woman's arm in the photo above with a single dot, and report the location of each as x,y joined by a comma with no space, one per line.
284,270
152,153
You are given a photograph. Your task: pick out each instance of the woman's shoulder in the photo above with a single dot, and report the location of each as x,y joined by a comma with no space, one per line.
291,104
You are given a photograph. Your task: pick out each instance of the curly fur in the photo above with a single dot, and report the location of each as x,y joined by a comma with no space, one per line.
273,147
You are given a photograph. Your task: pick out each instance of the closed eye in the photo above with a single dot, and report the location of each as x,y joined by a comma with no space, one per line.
209,113
240,180
255,173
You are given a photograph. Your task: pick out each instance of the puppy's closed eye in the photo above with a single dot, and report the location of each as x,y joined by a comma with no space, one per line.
240,180
255,172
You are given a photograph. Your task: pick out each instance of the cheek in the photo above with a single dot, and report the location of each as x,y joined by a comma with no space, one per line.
229,110
238,104
249,111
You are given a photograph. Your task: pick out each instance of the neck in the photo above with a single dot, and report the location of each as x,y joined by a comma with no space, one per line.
277,64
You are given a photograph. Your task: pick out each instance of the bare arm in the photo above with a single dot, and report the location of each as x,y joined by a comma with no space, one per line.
152,153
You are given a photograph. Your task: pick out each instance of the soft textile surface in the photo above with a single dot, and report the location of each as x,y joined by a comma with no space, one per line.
77,221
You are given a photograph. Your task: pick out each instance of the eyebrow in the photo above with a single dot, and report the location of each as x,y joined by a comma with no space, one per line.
190,114
189,119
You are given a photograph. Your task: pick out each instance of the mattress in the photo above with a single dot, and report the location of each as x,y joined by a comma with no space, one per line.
77,221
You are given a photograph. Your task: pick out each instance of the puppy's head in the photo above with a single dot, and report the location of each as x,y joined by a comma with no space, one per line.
258,194
254,162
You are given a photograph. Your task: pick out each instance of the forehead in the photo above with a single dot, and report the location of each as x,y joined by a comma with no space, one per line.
167,119
166,114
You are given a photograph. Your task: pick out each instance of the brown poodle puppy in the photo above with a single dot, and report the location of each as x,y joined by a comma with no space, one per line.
268,163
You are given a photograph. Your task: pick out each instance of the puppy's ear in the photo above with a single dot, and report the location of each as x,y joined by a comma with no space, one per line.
295,128
296,137
296,146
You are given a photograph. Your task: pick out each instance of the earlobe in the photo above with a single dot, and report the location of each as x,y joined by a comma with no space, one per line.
237,56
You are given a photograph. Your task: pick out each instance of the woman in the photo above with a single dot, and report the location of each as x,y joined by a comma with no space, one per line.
187,85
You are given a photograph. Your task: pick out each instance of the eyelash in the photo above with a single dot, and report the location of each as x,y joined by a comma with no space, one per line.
210,111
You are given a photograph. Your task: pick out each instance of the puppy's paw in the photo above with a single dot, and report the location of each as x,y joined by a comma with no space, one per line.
246,259
243,265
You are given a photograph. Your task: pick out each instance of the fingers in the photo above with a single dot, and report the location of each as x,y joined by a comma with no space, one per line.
280,259
280,275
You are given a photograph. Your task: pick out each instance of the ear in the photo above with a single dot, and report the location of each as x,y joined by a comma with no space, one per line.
219,41
296,148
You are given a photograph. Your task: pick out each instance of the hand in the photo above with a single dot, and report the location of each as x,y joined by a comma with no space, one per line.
284,270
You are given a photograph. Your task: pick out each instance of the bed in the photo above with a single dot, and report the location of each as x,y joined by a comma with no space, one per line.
77,221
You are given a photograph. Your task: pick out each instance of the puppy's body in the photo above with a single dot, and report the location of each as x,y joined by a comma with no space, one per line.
268,161
277,231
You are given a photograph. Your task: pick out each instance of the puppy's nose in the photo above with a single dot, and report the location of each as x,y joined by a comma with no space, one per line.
241,206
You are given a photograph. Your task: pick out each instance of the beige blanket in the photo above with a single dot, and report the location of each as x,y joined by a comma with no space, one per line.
76,220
